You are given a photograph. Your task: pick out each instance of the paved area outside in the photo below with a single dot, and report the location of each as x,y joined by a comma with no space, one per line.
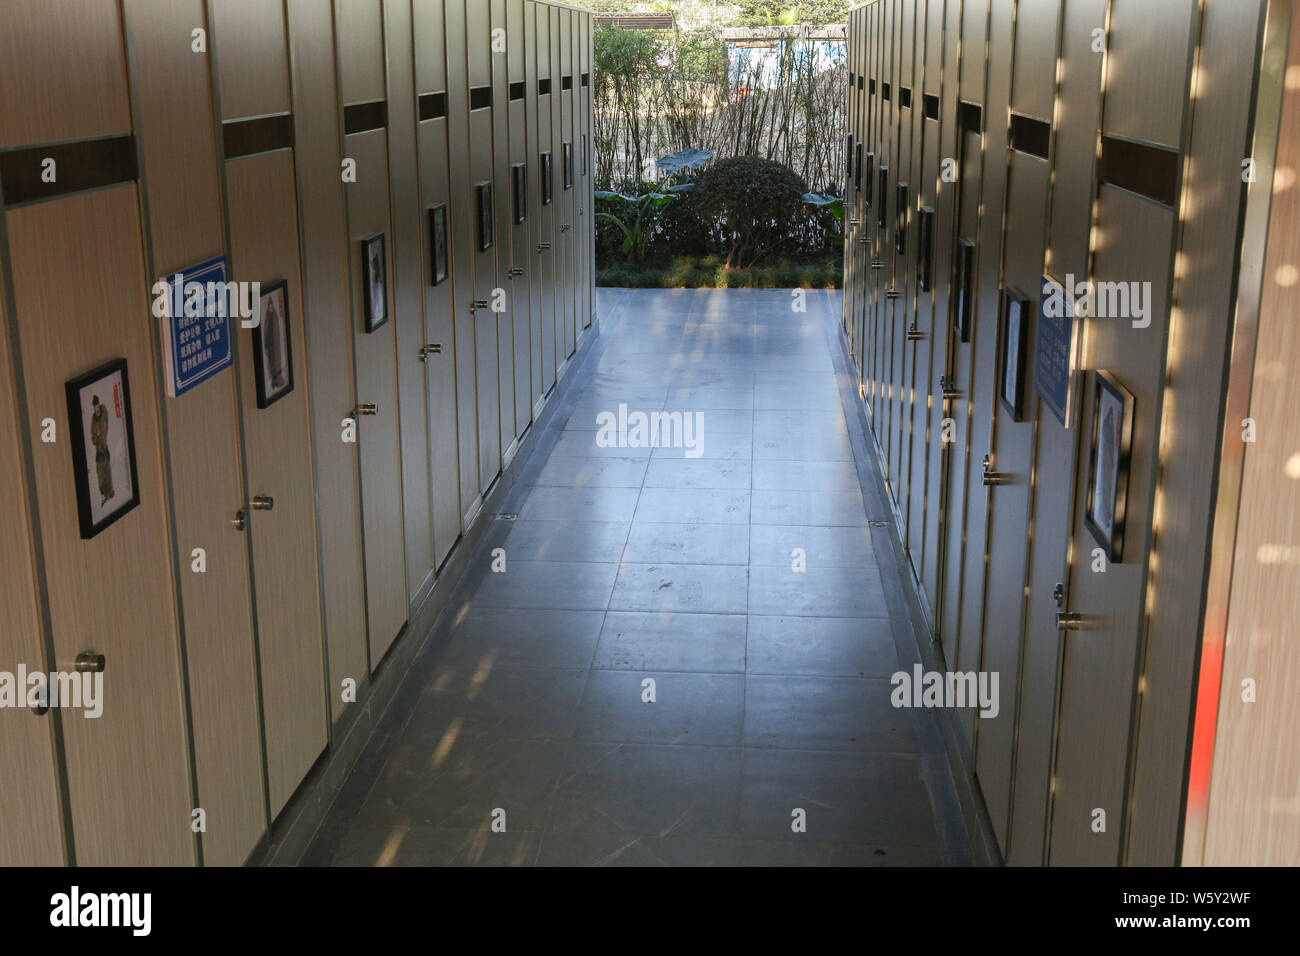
740,588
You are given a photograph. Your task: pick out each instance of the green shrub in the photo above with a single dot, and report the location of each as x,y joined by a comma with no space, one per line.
753,203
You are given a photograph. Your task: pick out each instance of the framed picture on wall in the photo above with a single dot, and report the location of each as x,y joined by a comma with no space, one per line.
1015,354
374,273
567,165
519,184
548,177
964,289
484,192
272,352
103,446
1108,463
439,264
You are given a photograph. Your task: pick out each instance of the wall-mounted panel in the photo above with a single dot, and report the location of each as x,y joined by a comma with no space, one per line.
63,72
253,63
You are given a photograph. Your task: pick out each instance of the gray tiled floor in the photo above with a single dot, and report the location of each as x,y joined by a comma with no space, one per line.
652,680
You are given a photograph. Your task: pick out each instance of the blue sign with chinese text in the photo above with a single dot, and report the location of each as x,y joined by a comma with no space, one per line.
197,342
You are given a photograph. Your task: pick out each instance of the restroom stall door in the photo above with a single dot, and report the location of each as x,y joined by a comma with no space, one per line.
901,235
483,232
910,471
128,778
410,242
377,433
462,228
32,834
925,426
548,85
984,339
880,224
439,300
568,210
1011,537
361,76
504,252
961,371
521,259
1098,666
946,218
262,200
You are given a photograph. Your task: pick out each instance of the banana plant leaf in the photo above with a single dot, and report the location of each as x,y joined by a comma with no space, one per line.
680,162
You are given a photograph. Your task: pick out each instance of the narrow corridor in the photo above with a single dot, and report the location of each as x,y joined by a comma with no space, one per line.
740,583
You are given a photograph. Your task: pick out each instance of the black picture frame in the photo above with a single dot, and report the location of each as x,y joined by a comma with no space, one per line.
1109,456
882,214
108,439
547,174
903,210
439,256
567,164
1013,361
486,236
374,277
964,289
925,249
519,183
273,345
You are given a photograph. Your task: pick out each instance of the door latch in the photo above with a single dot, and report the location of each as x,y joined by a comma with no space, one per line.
516,271
992,477
427,350
370,408
543,246
478,304
915,335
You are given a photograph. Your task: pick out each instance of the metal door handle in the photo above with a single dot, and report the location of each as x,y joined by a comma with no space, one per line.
1071,621
240,520
370,408
994,477
517,271
915,335
427,350
865,240
88,662
855,222
542,246
263,502
893,293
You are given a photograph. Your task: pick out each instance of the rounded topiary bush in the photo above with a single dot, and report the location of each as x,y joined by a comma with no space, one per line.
754,205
